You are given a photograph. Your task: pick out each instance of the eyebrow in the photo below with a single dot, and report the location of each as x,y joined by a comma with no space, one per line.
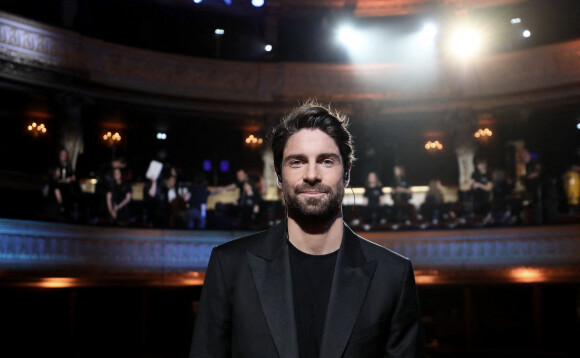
303,156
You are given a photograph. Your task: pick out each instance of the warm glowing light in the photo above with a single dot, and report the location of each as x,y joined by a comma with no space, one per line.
436,145
482,133
465,42
526,33
254,140
57,282
110,137
36,128
526,274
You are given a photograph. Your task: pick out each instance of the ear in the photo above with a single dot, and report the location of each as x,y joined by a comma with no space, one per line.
278,177
346,176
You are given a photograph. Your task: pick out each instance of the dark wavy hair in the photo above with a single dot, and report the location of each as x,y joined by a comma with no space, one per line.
312,115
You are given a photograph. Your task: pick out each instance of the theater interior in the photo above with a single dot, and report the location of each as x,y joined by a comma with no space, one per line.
429,85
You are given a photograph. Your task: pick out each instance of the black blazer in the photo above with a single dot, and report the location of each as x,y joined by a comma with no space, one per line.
246,308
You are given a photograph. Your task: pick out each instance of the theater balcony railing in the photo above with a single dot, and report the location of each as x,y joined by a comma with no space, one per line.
44,254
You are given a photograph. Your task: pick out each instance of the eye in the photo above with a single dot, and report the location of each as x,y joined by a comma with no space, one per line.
294,163
328,162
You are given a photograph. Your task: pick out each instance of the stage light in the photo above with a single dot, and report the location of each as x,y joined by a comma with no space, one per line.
515,20
197,1
258,3
161,136
578,126
268,48
350,38
219,32
428,32
526,33
465,42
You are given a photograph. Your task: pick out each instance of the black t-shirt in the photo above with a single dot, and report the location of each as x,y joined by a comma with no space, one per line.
311,282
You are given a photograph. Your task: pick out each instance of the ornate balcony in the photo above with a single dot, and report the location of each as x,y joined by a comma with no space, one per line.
52,254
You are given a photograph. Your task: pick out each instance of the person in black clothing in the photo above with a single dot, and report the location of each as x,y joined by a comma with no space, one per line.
372,212
308,287
481,185
401,193
118,198
52,203
532,183
68,185
249,206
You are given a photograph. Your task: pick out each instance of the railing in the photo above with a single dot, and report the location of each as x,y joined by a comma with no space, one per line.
34,252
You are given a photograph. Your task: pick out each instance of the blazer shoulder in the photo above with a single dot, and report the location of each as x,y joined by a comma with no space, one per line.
241,244
375,251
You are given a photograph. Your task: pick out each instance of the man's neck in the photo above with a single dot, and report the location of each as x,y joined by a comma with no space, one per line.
316,239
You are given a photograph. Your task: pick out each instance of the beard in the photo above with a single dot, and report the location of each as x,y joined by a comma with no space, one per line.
313,210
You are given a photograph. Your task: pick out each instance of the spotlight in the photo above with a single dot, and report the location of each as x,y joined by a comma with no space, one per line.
349,37
578,126
161,136
428,32
197,1
258,3
515,20
526,33
465,42
219,32
268,48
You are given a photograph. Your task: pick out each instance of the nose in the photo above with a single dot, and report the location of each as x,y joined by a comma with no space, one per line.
311,176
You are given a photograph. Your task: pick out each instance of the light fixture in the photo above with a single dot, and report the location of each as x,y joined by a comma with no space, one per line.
258,3
350,37
268,48
36,128
428,32
465,42
526,33
219,32
161,136
112,138
482,133
433,146
197,1
515,20
254,140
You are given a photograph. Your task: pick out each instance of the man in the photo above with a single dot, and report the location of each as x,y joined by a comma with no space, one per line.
308,287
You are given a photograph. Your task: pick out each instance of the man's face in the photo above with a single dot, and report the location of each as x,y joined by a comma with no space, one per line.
312,176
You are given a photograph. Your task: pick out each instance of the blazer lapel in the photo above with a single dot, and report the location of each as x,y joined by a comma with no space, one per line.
271,272
352,277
